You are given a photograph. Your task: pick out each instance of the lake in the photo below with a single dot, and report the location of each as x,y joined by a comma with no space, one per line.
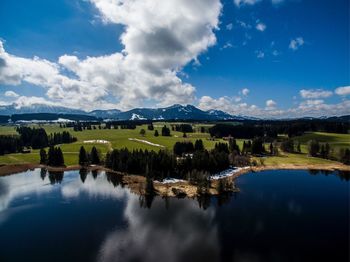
276,216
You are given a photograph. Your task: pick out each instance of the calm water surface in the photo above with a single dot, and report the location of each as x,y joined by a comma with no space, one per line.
277,216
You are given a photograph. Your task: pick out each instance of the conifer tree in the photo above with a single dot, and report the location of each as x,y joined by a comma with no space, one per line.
43,157
95,158
83,158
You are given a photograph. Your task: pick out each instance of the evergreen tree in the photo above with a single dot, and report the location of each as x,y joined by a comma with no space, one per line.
298,147
198,145
43,157
95,158
59,157
83,158
165,131
156,133
271,149
313,147
142,132
233,147
345,156
288,145
51,156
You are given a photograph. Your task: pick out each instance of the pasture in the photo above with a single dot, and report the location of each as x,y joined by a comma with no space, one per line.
121,138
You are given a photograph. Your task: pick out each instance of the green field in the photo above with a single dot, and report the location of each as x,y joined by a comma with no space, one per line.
119,138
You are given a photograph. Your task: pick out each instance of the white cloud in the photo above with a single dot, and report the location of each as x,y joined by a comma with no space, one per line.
245,2
245,91
229,26
226,45
243,24
275,53
296,43
315,93
11,94
260,27
343,91
270,104
310,107
159,39
260,54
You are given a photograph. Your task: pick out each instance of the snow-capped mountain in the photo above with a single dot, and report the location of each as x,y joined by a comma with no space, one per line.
174,112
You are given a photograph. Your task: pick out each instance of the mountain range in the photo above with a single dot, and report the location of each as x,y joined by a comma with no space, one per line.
174,112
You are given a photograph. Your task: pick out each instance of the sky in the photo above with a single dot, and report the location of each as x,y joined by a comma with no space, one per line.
264,58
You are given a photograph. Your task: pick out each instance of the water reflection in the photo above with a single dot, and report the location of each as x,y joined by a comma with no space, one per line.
183,232
275,217
56,177
343,175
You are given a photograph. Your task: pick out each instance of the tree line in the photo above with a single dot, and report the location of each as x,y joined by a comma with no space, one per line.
32,137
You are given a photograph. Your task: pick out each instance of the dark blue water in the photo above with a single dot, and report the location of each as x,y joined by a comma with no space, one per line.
277,216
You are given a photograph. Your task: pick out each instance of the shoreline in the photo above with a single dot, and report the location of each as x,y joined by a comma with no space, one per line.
136,183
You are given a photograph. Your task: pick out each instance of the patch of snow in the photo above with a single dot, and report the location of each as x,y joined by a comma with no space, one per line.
170,181
61,120
145,142
137,117
228,172
96,141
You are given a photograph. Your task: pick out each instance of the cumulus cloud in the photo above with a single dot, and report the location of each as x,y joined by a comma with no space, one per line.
343,91
260,27
239,3
296,43
159,39
11,94
230,105
259,54
245,91
229,26
226,45
315,93
270,104
310,107
243,24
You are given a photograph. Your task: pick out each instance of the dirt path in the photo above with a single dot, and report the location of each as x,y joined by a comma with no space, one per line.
145,142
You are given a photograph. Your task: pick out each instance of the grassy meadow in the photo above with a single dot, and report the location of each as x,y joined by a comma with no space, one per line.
119,138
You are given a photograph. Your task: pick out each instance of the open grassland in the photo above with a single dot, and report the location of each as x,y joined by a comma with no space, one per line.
119,138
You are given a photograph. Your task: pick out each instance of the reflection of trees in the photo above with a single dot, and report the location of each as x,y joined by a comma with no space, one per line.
204,200
343,175
115,179
83,174
147,199
56,177
43,172
94,173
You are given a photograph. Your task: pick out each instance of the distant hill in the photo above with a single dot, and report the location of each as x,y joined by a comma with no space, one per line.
174,112
38,108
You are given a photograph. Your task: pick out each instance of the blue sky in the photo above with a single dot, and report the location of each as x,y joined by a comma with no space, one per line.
291,57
